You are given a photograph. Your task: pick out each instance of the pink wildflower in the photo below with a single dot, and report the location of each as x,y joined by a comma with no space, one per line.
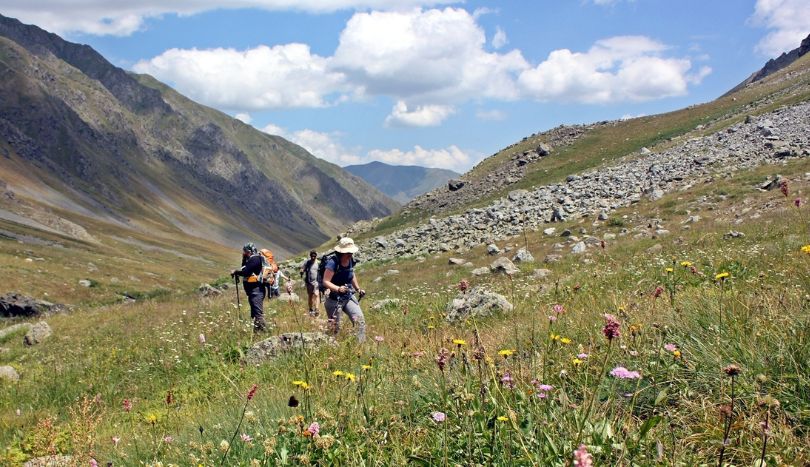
127,405
783,187
252,391
507,381
314,429
582,356
463,285
552,318
582,458
670,347
116,440
797,202
442,358
379,338
246,438
658,291
623,373
611,329
559,309
93,462
438,417
168,439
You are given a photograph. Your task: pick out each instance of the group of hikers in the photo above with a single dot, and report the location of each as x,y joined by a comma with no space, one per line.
331,279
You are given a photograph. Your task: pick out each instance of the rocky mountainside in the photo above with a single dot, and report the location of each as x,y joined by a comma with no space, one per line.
402,182
775,64
83,141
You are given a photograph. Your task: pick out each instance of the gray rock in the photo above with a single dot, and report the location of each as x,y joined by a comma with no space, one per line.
274,346
492,249
603,216
645,151
51,461
609,236
541,273
580,247
206,290
381,243
655,248
503,265
386,304
565,233
456,261
733,234
476,303
480,271
662,232
38,333
391,272
543,149
14,304
85,283
549,231
286,297
9,373
552,258
523,256
455,184
656,194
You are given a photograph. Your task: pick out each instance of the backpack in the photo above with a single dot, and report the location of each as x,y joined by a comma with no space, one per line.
322,268
269,267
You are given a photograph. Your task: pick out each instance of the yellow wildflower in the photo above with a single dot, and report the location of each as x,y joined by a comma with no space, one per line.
721,276
565,340
503,419
686,264
349,376
431,327
806,249
576,361
337,373
554,337
669,270
366,367
459,342
677,354
151,418
506,352
301,384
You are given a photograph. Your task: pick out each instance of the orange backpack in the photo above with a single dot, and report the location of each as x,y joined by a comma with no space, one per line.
269,267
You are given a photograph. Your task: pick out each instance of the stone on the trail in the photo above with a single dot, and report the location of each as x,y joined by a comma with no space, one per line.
482,271
523,256
476,303
286,297
503,264
38,333
206,290
9,373
456,261
579,248
14,304
492,249
275,346
386,304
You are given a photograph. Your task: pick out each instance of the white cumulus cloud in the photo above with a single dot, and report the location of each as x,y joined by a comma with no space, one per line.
448,158
423,115
623,68
259,78
491,115
788,20
326,146
499,40
124,17
244,117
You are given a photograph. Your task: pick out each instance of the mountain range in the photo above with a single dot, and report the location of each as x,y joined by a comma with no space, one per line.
82,142
402,182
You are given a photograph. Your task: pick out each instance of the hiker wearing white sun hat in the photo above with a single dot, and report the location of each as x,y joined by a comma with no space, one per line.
341,281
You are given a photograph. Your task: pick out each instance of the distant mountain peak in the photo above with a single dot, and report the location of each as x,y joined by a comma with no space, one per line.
401,182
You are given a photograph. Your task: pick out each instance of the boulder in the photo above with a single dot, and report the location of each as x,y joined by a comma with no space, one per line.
541,273
578,248
85,283
476,303
492,249
286,297
455,184
15,328
386,304
9,373
275,346
552,258
391,272
480,271
503,264
14,304
523,256
38,333
549,231
456,261
543,149
206,290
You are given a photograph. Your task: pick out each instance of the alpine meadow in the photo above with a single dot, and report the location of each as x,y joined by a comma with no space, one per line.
629,292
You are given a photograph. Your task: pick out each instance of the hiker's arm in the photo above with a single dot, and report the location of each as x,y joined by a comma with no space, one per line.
327,282
252,263
356,286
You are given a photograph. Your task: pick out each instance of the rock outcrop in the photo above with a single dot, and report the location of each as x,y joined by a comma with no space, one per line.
476,303
274,346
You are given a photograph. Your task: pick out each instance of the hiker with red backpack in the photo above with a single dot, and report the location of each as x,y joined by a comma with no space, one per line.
251,271
341,282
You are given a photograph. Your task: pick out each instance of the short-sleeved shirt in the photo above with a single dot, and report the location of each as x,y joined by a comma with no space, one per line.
343,275
310,268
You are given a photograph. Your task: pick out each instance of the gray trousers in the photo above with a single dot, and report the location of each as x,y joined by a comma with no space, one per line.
352,309
255,294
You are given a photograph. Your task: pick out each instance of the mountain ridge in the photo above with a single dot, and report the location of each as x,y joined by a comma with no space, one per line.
401,182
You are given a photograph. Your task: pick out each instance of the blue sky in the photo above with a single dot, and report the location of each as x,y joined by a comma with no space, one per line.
437,83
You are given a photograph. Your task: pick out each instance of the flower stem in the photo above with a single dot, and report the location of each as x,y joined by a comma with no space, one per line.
593,394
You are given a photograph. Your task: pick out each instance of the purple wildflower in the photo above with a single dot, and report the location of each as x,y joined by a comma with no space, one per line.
582,458
611,329
438,417
507,381
623,373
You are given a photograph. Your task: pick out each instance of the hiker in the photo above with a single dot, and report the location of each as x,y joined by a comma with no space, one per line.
556,214
251,270
339,278
273,288
309,273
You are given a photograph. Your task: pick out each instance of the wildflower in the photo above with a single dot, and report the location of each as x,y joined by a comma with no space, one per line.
442,358
304,459
379,338
669,270
151,418
324,442
552,318
252,391
459,342
623,373
168,439
506,353
559,309
635,329
269,445
611,329
169,398
314,429
503,418
582,458
670,347
349,377
686,264
93,462
127,405
201,338
507,381
565,340
224,446
797,202
576,361
554,337
732,370
658,291
438,417
116,440
722,276
676,354
301,384
463,285
337,373
806,249
783,187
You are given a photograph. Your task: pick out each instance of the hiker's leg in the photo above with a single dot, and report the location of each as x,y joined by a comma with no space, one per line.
352,309
256,299
312,295
332,314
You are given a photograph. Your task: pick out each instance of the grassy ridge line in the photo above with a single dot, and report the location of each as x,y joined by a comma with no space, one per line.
142,352
608,143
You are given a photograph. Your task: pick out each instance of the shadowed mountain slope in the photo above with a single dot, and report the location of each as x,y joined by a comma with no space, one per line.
402,182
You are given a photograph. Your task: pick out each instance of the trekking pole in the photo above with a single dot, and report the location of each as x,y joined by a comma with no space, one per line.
238,304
